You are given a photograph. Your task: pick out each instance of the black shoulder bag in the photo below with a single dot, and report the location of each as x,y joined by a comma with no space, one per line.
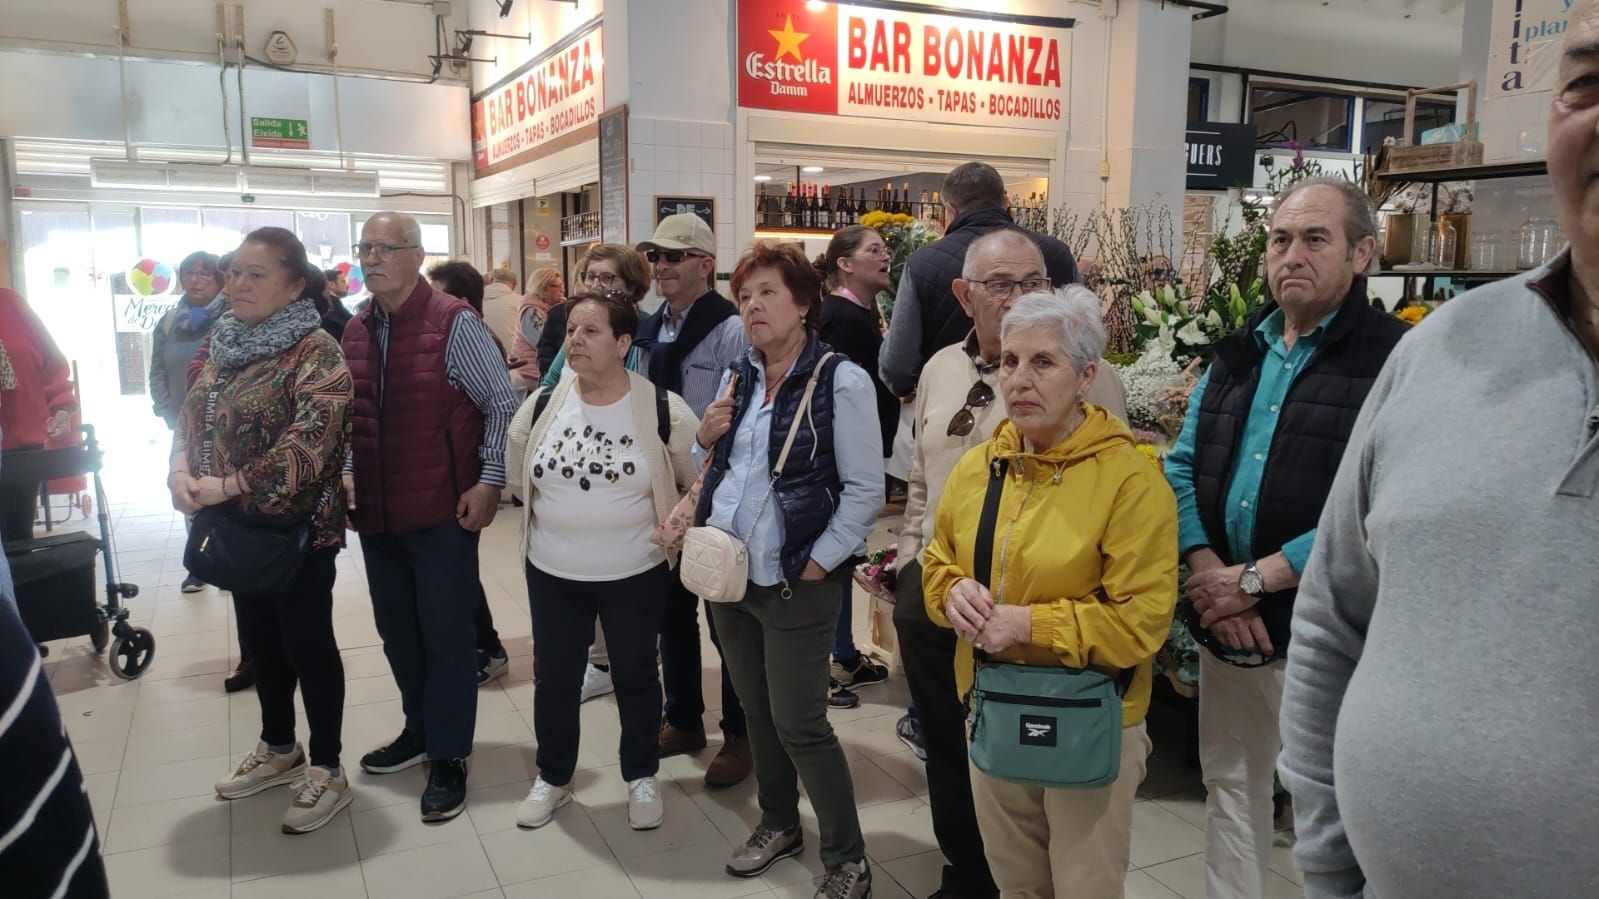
236,550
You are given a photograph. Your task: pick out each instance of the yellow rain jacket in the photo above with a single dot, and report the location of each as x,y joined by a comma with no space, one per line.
1086,536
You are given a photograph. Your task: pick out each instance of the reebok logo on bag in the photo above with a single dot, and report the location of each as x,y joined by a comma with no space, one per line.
1037,730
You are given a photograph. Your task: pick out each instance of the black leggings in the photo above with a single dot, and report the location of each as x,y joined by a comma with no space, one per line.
290,640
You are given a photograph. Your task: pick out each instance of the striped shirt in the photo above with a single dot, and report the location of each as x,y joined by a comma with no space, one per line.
48,844
474,365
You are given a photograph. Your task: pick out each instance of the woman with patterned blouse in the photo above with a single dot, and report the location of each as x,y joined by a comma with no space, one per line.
266,426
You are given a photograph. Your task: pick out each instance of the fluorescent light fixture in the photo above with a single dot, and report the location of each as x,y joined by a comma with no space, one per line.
345,184
813,170
277,181
146,176
763,178
815,5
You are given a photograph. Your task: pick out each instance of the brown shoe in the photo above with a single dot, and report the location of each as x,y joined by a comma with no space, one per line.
676,741
732,764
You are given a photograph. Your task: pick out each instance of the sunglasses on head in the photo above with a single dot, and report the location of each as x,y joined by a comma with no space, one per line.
978,397
672,256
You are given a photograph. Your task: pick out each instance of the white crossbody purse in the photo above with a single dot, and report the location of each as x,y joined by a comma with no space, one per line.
715,564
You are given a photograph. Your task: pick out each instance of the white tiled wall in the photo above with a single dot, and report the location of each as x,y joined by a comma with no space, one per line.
681,158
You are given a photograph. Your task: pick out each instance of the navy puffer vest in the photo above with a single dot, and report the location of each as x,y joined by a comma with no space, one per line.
1312,430
807,494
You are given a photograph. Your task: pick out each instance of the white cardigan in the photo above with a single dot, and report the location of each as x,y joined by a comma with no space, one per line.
672,469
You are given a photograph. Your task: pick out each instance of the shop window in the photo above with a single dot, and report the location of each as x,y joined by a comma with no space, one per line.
1316,120
1384,119
326,236
1199,99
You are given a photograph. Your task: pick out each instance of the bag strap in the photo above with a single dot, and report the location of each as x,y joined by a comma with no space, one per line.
804,406
983,552
663,416
788,442
541,401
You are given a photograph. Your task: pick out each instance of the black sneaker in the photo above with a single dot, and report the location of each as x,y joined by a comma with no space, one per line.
840,697
407,751
192,584
909,730
445,796
490,667
863,673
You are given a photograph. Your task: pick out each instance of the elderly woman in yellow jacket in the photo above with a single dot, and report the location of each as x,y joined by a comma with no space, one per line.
1083,575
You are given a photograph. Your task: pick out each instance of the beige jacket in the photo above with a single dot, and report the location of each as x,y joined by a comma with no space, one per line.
940,394
672,469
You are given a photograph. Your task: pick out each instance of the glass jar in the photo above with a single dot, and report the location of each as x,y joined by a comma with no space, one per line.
1484,251
1444,243
1539,241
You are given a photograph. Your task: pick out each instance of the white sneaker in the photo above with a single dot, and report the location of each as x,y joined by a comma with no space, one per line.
316,800
644,807
596,683
260,770
540,805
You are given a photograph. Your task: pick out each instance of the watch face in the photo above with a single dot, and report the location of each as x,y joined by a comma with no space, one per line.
1250,582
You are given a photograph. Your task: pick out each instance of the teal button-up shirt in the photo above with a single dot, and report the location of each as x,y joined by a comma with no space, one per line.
1278,368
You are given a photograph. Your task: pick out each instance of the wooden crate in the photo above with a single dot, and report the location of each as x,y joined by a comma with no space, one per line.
1407,157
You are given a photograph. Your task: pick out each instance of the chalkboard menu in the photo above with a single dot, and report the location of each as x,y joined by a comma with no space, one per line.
613,176
704,207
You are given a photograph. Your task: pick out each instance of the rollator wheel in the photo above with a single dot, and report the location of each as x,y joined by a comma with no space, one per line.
100,636
131,653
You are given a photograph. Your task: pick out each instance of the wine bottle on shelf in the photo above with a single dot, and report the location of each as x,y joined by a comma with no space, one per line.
905,200
760,206
938,209
790,207
810,206
845,216
824,213
888,197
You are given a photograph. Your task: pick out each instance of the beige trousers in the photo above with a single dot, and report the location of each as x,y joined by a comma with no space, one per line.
1072,844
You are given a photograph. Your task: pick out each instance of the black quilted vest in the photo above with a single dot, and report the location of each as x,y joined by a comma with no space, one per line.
807,494
935,266
1312,429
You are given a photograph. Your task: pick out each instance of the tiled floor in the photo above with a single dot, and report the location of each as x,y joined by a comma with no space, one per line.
151,749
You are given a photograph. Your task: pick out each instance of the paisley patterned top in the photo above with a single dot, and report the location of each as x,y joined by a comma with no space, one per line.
284,422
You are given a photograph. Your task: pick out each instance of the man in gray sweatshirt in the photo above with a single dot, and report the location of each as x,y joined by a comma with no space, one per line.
1441,716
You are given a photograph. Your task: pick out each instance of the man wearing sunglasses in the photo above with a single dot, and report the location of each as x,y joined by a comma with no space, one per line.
958,405
691,340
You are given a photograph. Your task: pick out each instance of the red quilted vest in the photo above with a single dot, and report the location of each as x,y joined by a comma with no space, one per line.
414,437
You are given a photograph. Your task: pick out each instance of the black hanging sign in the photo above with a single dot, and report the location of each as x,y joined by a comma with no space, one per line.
1220,155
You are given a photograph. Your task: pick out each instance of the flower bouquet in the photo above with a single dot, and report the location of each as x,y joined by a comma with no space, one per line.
904,234
878,575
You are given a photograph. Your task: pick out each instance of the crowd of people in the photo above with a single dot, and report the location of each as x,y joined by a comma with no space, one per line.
1347,571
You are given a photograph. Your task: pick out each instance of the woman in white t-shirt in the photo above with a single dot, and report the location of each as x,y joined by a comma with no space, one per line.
602,459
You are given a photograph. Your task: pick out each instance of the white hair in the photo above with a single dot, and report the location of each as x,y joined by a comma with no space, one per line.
1072,312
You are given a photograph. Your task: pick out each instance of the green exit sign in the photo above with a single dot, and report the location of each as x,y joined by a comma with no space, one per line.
280,134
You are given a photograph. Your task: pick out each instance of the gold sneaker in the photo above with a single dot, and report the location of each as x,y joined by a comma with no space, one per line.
317,799
261,770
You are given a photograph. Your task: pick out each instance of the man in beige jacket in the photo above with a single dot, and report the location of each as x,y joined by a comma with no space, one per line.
958,405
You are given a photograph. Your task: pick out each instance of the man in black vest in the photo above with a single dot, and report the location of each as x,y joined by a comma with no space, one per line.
691,340
1265,431
927,317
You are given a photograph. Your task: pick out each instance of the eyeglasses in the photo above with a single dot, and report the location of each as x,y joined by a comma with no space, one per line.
1002,288
980,396
671,256
606,280
384,251
878,250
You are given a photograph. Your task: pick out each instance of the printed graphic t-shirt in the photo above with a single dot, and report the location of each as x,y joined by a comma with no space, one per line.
593,503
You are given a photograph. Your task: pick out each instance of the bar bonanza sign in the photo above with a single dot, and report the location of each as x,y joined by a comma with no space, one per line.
889,62
550,97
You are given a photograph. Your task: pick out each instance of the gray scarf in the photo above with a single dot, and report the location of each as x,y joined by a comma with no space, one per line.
235,344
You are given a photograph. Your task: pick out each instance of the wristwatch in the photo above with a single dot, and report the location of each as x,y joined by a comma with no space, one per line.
1251,582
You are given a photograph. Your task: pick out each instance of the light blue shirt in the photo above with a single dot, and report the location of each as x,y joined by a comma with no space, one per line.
857,453
1278,369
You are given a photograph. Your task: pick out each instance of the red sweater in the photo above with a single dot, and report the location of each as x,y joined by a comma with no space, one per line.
44,383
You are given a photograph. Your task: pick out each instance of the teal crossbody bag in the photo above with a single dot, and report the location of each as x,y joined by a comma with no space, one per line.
1042,726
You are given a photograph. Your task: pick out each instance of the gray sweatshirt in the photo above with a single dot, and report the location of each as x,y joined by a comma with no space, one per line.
1441,718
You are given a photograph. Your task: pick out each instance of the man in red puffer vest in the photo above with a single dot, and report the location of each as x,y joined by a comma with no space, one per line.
427,462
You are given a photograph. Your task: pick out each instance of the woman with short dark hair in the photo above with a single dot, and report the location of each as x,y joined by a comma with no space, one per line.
803,522
601,460
266,429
